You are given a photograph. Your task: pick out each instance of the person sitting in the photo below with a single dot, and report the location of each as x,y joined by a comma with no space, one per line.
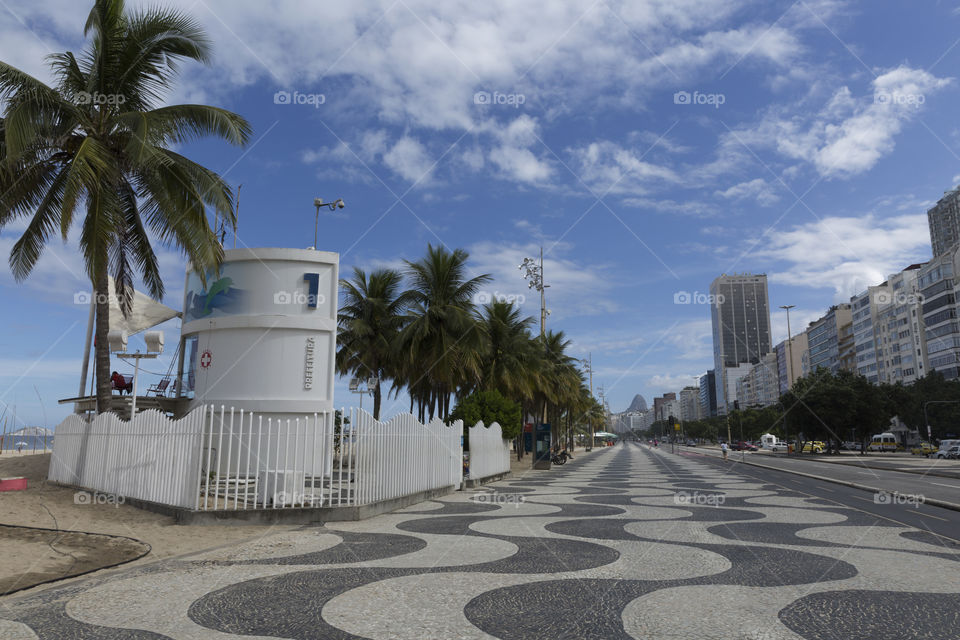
117,382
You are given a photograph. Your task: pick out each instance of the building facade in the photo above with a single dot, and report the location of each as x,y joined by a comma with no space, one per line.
944,221
740,314
708,394
899,338
937,284
690,404
823,339
866,309
790,360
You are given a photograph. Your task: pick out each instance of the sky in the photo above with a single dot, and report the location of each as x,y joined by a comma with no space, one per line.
647,146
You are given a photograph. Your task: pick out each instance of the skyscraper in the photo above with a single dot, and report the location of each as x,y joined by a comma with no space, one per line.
740,312
944,221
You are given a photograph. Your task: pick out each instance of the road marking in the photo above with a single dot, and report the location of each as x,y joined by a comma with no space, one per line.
825,489
927,515
864,499
940,484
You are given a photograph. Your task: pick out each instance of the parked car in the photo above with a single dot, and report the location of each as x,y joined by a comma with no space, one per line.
850,445
691,443
814,447
743,446
924,449
953,453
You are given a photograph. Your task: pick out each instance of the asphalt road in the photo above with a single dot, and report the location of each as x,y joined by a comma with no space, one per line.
945,522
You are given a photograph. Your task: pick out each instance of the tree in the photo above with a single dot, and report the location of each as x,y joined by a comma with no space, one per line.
488,407
370,320
98,142
441,343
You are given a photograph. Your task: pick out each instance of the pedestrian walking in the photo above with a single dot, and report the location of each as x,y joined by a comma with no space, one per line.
723,449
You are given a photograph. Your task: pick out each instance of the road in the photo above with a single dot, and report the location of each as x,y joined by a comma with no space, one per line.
626,542
913,484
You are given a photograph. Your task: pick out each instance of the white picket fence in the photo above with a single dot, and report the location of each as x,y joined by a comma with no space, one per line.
489,452
402,456
151,458
217,459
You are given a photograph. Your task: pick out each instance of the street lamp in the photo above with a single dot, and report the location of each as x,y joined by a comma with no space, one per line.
363,387
533,274
588,368
333,206
926,420
790,379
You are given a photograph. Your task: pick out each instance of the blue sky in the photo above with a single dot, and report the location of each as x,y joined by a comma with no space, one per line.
648,146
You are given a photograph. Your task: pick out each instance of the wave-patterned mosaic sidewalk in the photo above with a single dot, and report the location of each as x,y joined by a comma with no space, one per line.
600,548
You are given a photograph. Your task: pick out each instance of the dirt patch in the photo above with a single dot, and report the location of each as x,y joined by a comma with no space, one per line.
50,506
33,556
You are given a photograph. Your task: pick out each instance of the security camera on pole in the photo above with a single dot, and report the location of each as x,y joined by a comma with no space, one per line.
333,206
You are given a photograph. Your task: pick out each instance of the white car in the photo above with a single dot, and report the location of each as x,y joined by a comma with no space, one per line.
953,453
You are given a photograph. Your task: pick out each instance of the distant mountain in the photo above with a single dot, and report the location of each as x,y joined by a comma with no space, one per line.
638,404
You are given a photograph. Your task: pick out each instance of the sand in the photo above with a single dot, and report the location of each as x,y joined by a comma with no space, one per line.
49,506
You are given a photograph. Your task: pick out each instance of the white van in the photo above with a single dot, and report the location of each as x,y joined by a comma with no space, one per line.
883,442
769,441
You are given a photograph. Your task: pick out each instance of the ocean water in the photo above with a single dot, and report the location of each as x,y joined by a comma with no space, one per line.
32,442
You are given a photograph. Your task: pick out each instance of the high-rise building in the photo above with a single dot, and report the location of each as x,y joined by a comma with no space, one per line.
901,345
761,386
740,313
936,282
708,394
823,339
662,407
865,311
787,372
944,221
689,404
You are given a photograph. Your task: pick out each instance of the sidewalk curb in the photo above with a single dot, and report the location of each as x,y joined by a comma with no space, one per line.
854,485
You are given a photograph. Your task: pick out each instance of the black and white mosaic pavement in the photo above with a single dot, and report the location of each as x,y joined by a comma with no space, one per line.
625,543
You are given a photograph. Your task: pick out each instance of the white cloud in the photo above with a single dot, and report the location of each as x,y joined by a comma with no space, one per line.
609,168
409,159
849,134
847,254
663,383
757,189
575,288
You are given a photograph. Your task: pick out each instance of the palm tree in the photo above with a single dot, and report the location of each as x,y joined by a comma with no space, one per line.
370,320
441,343
98,141
506,364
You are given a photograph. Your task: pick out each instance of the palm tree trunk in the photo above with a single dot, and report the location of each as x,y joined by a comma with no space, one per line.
101,346
376,402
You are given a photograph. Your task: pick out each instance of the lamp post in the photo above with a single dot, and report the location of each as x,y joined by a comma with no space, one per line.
318,202
790,379
533,274
363,387
588,368
926,420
